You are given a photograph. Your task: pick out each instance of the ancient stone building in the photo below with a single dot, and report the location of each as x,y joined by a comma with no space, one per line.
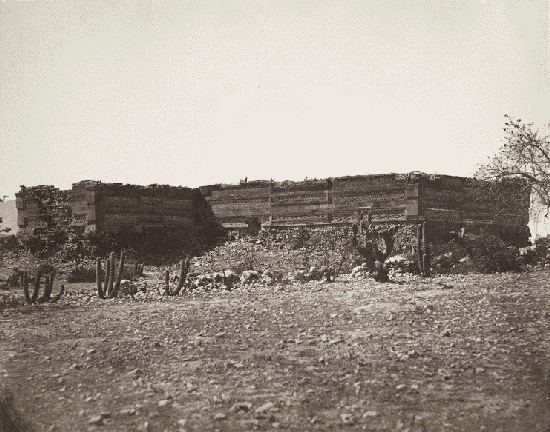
92,206
446,202
413,197
39,208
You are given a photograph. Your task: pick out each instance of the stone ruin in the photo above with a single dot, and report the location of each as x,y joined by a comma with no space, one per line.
92,206
444,203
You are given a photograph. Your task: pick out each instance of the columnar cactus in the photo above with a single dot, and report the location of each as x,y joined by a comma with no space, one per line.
48,287
425,255
107,276
419,253
119,275
167,282
100,292
111,284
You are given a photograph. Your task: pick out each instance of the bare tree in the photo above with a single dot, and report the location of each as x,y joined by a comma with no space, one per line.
523,159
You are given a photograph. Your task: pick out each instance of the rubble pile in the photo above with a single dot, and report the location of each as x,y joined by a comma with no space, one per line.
230,280
277,257
43,208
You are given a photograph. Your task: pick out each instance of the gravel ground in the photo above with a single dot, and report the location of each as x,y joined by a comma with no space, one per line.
454,353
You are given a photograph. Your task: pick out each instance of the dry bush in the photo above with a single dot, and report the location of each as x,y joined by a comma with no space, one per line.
86,272
483,254
10,301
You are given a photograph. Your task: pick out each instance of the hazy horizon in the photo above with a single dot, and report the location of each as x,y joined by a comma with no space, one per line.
196,93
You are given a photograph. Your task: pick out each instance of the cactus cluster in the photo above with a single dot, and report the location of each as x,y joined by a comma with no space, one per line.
112,276
184,269
48,288
422,251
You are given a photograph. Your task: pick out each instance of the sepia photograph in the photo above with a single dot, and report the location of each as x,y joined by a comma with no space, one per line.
274,215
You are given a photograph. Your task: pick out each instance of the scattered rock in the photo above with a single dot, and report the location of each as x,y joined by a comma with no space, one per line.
96,420
249,276
265,407
347,419
145,427
135,374
127,411
231,278
242,406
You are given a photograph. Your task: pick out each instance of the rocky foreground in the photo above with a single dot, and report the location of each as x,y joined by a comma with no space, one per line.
445,353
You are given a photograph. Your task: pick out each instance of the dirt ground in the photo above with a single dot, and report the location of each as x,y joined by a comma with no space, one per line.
454,353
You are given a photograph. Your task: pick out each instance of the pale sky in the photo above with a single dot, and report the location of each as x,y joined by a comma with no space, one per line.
201,92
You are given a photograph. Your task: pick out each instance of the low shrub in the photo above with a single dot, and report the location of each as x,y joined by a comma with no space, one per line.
299,239
155,246
542,249
482,254
86,272
490,255
46,267
9,243
83,273
10,301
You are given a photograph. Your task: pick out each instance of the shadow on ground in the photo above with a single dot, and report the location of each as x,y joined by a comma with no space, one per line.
10,419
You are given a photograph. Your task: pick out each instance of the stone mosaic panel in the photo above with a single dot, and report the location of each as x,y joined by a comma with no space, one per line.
240,194
377,215
366,182
370,197
239,203
220,208
297,217
397,213
443,215
299,199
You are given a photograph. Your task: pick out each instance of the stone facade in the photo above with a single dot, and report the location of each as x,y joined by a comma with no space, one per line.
446,201
40,208
92,206
390,198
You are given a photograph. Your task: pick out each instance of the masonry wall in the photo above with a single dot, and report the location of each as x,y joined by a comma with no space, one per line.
40,208
92,206
341,200
465,200
233,205
307,202
111,208
389,198
314,202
